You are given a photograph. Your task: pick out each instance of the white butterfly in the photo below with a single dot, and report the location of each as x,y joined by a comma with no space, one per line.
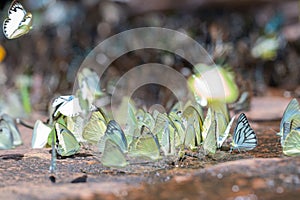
223,128
67,105
244,137
40,135
18,23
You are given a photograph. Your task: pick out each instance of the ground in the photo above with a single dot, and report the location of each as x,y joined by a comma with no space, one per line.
263,173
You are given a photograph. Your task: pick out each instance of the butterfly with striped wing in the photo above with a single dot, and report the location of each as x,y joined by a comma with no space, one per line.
244,137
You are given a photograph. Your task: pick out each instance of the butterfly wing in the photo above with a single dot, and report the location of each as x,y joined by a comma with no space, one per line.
167,142
146,145
67,105
116,134
13,128
67,143
190,136
76,126
40,135
6,138
160,124
221,133
93,131
292,112
244,137
291,146
193,117
210,142
112,155
177,124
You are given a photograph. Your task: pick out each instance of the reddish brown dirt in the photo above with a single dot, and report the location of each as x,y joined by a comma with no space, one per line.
263,173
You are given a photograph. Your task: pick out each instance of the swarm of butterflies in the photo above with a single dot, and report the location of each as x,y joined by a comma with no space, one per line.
290,129
74,122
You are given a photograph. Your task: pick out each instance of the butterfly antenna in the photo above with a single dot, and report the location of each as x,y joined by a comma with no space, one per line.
19,121
274,131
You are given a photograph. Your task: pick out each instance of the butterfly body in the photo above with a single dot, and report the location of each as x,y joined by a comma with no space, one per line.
18,22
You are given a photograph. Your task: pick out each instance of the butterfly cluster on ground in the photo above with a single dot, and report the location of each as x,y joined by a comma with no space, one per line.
290,129
18,22
74,122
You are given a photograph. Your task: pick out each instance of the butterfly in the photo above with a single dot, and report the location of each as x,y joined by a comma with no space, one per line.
291,116
194,126
112,155
114,133
146,145
13,128
165,133
95,127
40,134
223,128
207,121
244,137
67,105
210,142
76,126
291,146
6,138
18,22
67,144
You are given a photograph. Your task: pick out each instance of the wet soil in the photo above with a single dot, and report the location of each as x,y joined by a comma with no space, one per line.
263,173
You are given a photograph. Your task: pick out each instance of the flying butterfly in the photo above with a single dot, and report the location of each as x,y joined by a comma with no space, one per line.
244,137
291,146
18,22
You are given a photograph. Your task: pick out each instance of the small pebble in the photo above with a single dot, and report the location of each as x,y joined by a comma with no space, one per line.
279,190
235,188
220,176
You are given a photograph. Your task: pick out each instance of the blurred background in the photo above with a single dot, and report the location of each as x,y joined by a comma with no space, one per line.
259,39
